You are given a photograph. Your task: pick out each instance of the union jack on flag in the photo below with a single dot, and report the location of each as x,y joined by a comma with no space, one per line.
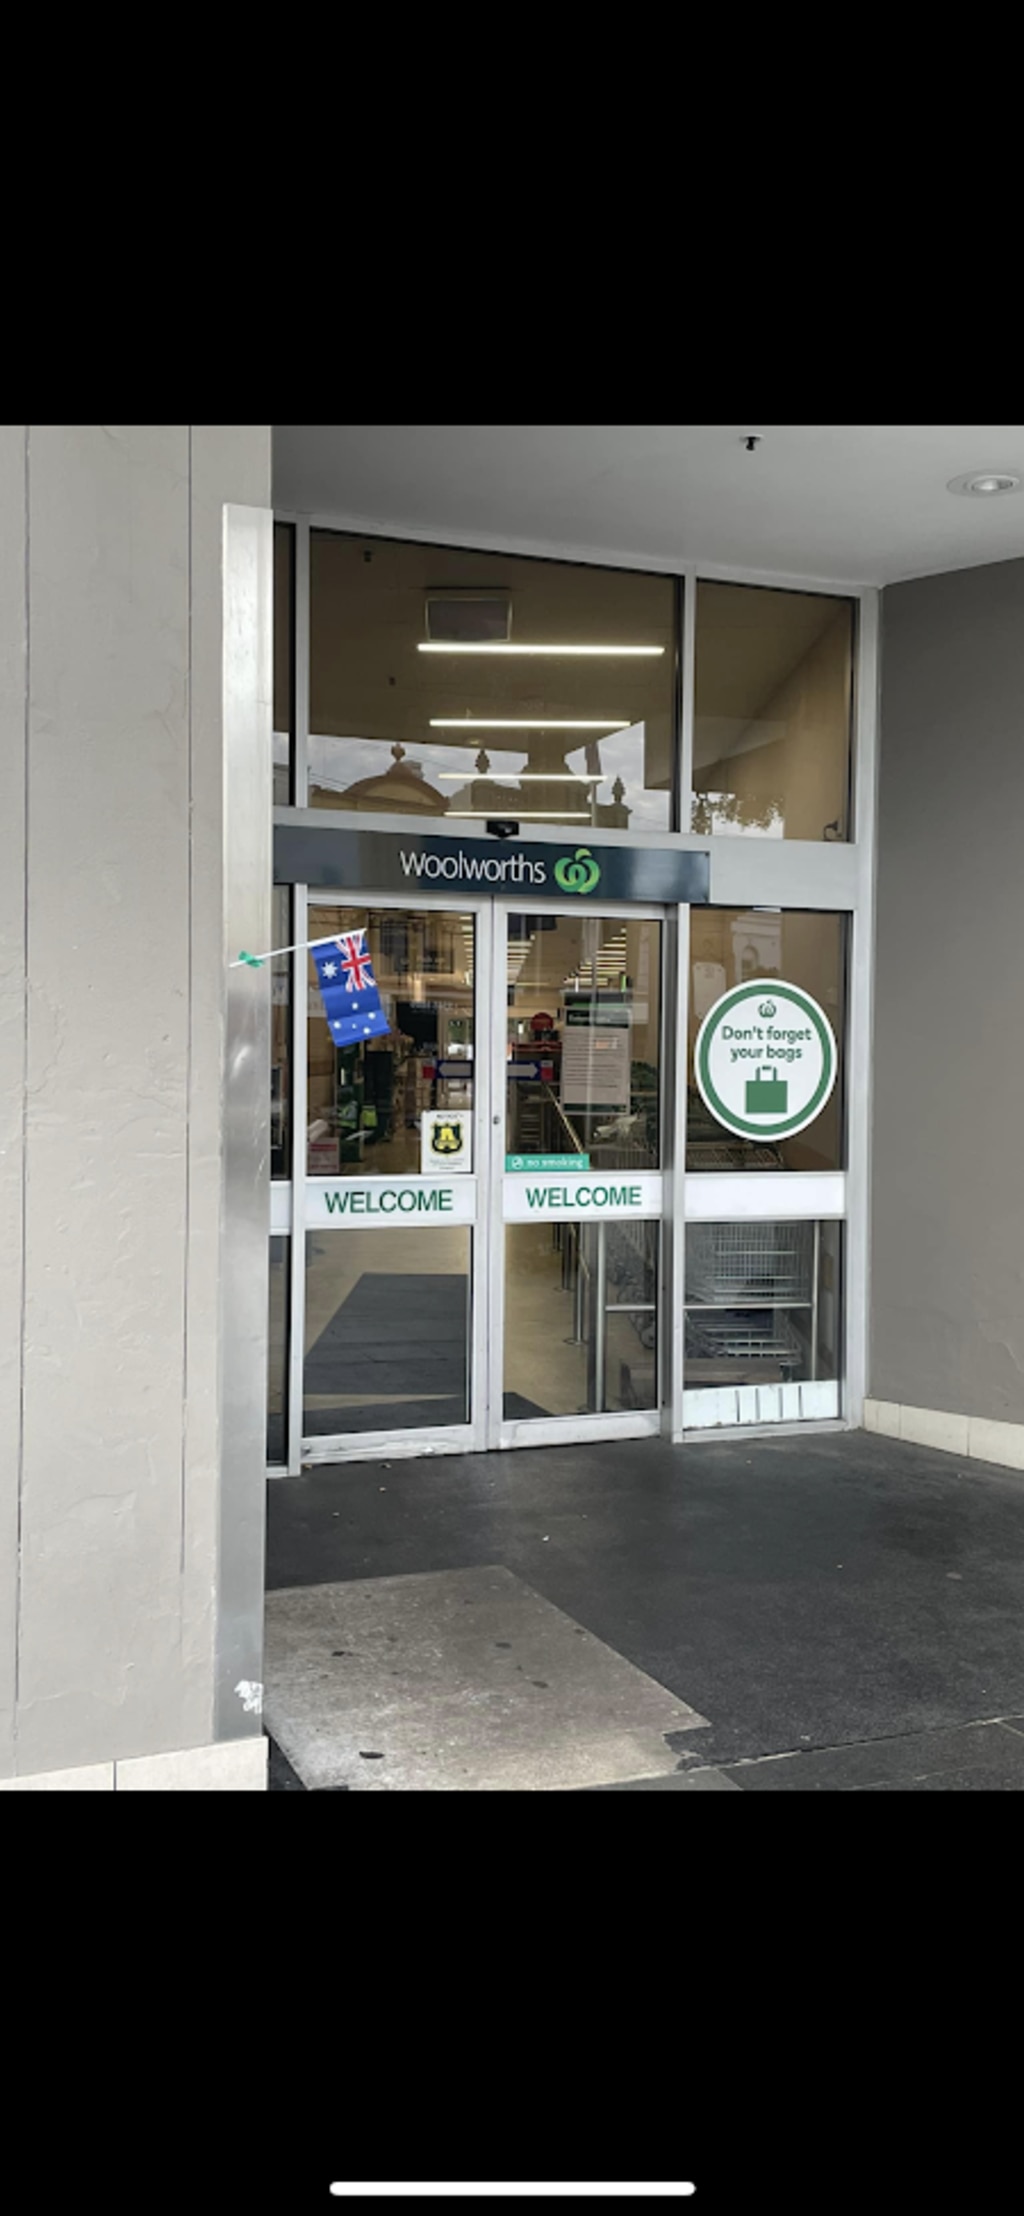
349,989
355,961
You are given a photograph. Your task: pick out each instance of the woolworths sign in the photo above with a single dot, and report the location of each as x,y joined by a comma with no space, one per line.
765,1059
580,870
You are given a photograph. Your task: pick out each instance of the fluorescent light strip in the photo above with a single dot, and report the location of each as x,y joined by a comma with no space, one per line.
522,777
528,723
538,815
503,646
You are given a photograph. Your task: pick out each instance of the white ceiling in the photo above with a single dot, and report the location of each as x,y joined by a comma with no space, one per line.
839,503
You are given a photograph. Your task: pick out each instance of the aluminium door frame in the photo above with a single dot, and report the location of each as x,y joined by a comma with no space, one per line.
306,1452
508,1433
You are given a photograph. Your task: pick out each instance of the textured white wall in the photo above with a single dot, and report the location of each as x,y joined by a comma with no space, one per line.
111,844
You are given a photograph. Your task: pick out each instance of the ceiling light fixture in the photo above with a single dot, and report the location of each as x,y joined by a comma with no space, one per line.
986,481
521,776
528,723
538,815
501,646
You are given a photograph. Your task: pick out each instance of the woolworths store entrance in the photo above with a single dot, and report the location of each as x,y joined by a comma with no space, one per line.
484,1200
493,1250
572,879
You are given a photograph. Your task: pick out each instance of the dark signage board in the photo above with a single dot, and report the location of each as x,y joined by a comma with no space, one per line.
395,861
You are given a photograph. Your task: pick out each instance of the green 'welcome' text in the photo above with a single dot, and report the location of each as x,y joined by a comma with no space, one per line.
583,1196
406,1200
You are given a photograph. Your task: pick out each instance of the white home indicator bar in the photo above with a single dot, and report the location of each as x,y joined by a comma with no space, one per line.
617,2192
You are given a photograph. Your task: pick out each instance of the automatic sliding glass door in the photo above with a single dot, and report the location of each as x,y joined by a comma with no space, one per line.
394,1236
577,1152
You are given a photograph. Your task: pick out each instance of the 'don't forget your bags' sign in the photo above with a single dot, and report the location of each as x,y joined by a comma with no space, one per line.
765,1060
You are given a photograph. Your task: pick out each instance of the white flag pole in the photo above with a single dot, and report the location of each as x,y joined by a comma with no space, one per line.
254,960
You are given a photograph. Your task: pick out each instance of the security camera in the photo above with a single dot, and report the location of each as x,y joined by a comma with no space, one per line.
500,828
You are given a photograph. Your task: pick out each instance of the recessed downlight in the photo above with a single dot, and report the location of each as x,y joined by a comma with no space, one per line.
984,482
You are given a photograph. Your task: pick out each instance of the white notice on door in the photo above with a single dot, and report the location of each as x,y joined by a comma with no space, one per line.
445,1135
595,1066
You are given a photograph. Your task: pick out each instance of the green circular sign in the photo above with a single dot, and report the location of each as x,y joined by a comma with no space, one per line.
765,1060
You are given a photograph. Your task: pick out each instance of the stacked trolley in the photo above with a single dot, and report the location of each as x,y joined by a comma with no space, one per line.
751,1302
625,1269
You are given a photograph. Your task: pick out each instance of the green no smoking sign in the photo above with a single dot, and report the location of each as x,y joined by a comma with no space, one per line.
765,1060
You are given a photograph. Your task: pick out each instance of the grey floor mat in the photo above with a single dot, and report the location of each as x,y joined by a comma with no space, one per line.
394,1334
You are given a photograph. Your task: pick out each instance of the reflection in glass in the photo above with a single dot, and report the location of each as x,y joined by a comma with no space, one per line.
387,1329
366,1100
417,706
284,660
804,947
277,1364
583,1039
772,713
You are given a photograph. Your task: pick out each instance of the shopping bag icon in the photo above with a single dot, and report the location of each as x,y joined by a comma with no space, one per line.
767,1094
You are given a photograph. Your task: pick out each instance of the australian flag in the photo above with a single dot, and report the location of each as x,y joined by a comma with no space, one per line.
348,989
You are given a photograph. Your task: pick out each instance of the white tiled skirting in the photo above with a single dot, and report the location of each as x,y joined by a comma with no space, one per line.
981,1438
707,1407
232,1766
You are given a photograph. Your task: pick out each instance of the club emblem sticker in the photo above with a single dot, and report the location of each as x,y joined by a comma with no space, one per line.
445,1141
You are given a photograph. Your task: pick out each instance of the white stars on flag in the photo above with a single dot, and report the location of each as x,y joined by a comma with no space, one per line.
329,969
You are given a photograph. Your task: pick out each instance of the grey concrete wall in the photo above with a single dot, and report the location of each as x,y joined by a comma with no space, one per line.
12,1041
112,1040
947,1255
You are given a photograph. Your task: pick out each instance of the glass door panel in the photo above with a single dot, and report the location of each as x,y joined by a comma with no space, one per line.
387,1330
582,1160
391,1197
367,1099
762,1280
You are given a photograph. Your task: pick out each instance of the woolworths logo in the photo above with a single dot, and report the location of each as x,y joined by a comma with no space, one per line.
579,875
